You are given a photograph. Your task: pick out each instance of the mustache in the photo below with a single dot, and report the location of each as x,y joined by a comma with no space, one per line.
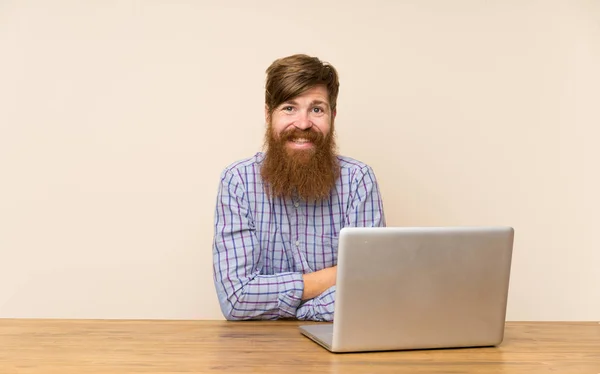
313,136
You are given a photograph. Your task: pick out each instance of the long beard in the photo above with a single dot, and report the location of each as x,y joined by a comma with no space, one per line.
308,173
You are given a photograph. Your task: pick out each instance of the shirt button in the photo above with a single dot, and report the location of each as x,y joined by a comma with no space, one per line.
296,205
297,243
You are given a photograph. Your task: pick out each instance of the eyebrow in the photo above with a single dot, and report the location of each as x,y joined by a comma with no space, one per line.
313,103
319,102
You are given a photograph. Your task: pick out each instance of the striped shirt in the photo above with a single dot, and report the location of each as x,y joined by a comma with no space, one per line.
263,244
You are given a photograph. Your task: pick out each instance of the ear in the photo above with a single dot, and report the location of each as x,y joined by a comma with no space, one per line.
333,113
267,116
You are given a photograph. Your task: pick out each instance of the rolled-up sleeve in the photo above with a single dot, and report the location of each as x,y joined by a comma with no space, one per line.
320,308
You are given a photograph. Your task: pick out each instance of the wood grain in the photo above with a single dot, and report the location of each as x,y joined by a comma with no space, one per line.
105,346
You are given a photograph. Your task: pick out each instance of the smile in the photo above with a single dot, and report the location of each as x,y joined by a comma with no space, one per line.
300,144
300,140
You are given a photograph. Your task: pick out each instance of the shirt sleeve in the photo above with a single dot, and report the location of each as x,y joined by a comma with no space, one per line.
320,308
366,205
242,291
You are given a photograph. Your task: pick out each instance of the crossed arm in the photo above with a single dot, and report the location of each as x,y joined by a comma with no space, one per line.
243,291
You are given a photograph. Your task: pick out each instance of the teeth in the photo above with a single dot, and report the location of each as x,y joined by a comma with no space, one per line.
300,140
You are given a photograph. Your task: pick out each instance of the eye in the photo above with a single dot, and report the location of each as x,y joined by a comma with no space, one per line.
287,108
317,110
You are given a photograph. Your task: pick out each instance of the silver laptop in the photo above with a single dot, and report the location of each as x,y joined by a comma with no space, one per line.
418,288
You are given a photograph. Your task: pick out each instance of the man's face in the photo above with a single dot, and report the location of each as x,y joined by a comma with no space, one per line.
301,156
303,122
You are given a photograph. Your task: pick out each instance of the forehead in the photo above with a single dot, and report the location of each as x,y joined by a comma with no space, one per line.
316,93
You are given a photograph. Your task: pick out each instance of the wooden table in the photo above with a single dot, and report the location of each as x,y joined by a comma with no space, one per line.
92,346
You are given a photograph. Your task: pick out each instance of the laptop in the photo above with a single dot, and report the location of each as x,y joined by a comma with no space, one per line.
406,288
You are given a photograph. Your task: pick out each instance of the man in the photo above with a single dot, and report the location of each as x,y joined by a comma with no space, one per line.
279,213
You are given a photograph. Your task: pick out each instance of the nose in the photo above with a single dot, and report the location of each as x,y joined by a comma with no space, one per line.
303,122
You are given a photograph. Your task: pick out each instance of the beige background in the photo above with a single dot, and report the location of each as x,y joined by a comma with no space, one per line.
116,118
